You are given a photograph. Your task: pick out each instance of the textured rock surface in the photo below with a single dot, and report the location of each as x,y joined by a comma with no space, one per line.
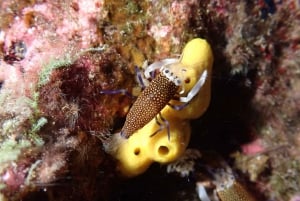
50,130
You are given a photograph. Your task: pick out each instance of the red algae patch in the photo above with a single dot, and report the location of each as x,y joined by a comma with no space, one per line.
72,97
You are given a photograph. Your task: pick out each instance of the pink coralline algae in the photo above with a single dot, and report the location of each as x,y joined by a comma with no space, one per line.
50,99
167,29
46,30
13,179
295,198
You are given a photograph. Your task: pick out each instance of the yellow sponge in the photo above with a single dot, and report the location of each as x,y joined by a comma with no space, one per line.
197,56
137,153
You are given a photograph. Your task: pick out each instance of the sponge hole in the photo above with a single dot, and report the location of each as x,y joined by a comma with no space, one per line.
137,151
163,150
187,80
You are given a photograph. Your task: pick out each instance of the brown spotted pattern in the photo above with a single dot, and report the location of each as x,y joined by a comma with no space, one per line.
236,192
152,100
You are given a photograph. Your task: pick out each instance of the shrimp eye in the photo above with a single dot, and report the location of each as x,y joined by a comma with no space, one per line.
177,81
166,71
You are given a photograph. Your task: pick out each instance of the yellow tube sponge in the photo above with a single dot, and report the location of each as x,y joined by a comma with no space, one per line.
137,153
197,56
163,149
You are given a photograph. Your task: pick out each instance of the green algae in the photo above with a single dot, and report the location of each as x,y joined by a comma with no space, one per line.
52,65
10,149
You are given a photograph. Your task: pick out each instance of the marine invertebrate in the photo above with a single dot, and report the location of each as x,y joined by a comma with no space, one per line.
179,78
229,188
50,29
142,148
196,58
160,91
231,191
215,180
138,152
